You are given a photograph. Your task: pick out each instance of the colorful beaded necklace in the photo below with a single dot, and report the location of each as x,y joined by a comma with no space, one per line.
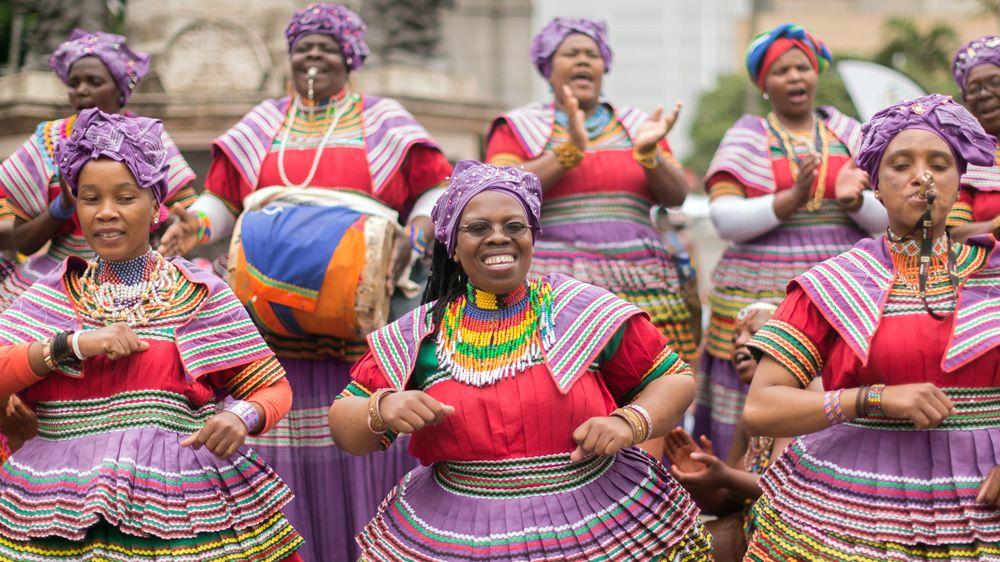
134,291
486,337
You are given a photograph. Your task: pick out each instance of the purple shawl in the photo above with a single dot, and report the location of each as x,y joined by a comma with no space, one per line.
389,132
586,318
219,334
745,151
851,290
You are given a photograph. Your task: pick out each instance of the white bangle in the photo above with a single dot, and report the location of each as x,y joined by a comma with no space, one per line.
75,341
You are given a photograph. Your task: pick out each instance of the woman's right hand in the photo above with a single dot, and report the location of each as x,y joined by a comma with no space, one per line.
576,129
808,171
181,236
115,341
922,403
409,411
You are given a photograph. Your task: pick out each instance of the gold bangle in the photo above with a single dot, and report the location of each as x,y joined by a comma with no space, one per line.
648,159
568,154
376,423
47,355
632,419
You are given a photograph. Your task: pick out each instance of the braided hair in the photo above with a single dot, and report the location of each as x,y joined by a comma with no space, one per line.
446,283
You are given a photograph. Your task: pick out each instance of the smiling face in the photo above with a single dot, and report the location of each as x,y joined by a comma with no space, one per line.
90,85
323,53
114,212
495,261
982,96
909,155
743,361
791,85
578,63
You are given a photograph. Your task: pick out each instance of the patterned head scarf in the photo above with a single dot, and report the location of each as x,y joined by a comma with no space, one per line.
767,47
936,113
336,21
544,45
750,310
133,141
471,178
985,50
127,67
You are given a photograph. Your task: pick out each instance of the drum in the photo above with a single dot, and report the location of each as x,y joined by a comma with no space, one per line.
313,262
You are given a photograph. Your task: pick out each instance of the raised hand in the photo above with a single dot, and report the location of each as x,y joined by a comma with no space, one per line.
851,182
577,129
409,411
922,403
679,450
656,127
601,435
181,236
115,342
222,434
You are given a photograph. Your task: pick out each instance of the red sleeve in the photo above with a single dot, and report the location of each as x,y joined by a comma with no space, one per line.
16,369
642,356
724,183
225,182
425,167
797,336
275,400
503,146
366,377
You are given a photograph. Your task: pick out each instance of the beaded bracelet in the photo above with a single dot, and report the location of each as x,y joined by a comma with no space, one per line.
61,353
376,424
59,212
649,159
246,412
569,155
873,401
75,340
832,408
204,235
47,355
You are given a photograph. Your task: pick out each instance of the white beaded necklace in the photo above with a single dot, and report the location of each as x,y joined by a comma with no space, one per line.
337,114
135,304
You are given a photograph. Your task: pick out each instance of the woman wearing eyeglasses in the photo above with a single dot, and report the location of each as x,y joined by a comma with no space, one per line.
524,397
976,68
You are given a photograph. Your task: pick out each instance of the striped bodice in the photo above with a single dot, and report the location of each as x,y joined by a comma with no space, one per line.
306,133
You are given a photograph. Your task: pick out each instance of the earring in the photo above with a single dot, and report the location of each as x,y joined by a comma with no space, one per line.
765,96
156,219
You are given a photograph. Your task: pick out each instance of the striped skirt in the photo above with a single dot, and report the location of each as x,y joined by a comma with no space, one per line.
625,507
879,489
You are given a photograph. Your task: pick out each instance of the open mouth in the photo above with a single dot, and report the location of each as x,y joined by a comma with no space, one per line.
798,95
499,262
582,78
110,235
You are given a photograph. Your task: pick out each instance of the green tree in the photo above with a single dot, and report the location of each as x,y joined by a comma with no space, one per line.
924,56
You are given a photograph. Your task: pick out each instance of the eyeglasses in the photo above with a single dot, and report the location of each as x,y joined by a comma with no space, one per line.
482,229
976,89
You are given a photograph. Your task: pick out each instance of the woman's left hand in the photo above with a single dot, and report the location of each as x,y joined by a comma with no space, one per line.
989,490
604,435
656,128
713,475
222,434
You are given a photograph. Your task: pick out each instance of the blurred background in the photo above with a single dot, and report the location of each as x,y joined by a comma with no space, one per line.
456,64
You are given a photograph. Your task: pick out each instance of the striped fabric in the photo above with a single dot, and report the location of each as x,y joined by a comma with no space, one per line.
961,213
667,363
389,133
127,410
586,318
272,541
519,478
257,375
594,208
854,492
533,124
851,291
982,178
791,348
745,154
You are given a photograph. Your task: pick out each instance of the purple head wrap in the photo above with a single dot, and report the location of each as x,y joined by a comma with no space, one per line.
133,141
336,21
471,178
985,50
126,66
936,113
544,45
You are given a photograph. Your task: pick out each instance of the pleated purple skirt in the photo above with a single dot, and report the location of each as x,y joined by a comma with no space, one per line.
336,493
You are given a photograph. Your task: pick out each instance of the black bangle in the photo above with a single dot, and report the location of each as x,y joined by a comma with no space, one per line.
62,353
